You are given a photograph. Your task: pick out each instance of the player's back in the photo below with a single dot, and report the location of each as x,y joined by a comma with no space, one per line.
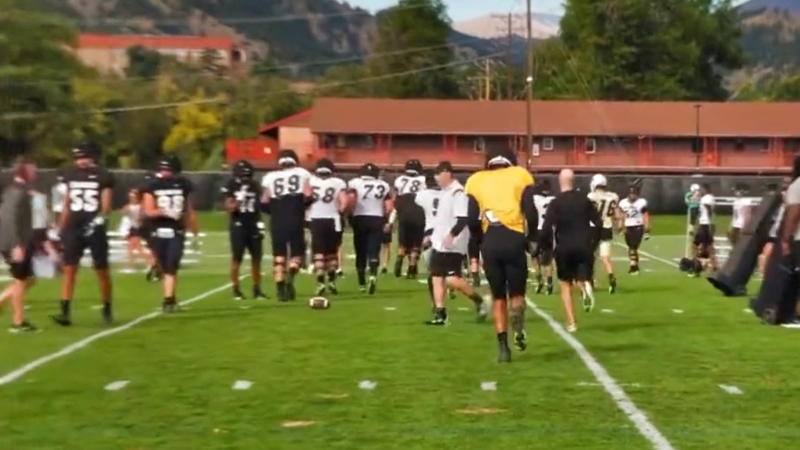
85,186
498,193
287,197
428,200
370,196
326,195
606,203
542,202
407,186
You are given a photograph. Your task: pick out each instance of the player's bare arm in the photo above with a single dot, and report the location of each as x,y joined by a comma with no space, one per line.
63,219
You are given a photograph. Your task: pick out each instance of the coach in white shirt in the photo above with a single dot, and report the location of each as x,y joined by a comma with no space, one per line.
450,239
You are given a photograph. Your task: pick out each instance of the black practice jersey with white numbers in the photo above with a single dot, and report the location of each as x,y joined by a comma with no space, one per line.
247,194
84,189
171,196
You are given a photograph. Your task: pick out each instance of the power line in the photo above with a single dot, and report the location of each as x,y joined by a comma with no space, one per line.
218,100
278,68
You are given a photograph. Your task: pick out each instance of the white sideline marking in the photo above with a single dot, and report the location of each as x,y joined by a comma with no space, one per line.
242,385
367,385
733,390
607,311
677,311
621,399
461,308
488,385
583,383
390,308
116,385
74,347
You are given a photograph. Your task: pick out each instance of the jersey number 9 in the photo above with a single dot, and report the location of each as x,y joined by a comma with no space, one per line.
286,186
84,200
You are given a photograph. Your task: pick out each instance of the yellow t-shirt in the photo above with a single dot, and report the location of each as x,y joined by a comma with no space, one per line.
499,195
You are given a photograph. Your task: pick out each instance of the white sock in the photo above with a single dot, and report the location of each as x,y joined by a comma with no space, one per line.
587,287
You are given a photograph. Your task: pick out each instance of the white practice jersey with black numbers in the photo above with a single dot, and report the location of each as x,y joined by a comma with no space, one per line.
542,202
57,197
326,197
286,182
408,184
370,195
634,211
606,203
741,211
707,203
428,200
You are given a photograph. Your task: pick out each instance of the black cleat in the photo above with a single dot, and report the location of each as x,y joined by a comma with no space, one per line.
321,289
372,285
258,295
24,327
539,287
550,289
437,321
291,294
108,317
398,269
504,353
521,340
237,295
340,273
333,289
612,287
62,319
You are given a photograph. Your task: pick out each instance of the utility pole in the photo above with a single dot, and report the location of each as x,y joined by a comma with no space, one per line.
529,85
487,78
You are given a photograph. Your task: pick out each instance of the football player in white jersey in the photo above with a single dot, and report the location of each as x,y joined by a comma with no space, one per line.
607,204
704,237
369,199
330,199
428,200
410,218
285,196
544,249
637,226
741,213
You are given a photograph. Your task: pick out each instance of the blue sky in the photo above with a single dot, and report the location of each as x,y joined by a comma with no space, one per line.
467,9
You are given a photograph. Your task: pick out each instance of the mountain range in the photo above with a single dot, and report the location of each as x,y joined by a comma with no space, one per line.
306,31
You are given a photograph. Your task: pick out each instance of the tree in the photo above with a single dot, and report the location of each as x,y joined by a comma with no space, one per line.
36,69
142,62
197,130
414,35
650,49
211,62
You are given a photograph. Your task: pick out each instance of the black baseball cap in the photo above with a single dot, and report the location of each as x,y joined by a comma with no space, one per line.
444,166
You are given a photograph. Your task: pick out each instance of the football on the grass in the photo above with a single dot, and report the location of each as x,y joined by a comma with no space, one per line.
319,303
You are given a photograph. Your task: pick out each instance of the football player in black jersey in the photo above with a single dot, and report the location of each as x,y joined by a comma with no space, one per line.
167,201
82,226
246,231
153,271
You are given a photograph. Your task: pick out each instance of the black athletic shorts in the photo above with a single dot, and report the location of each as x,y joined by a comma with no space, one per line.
245,238
134,232
168,250
410,235
325,239
288,242
445,264
634,236
704,235
574,263
76,242
505,261
21,270
386,238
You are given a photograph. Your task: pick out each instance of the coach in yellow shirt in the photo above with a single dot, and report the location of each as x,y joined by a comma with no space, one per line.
501,200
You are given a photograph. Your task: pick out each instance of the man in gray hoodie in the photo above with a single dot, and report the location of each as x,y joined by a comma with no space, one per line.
16,240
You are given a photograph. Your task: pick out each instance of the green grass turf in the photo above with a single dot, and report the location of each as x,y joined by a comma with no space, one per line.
182,367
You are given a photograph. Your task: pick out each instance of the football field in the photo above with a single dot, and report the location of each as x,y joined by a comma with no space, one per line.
664,363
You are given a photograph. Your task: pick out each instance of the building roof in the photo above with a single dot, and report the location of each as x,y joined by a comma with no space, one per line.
556,118
115,41
301,119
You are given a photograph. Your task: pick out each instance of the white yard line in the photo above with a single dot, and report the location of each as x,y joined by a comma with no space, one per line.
72,348
621,399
